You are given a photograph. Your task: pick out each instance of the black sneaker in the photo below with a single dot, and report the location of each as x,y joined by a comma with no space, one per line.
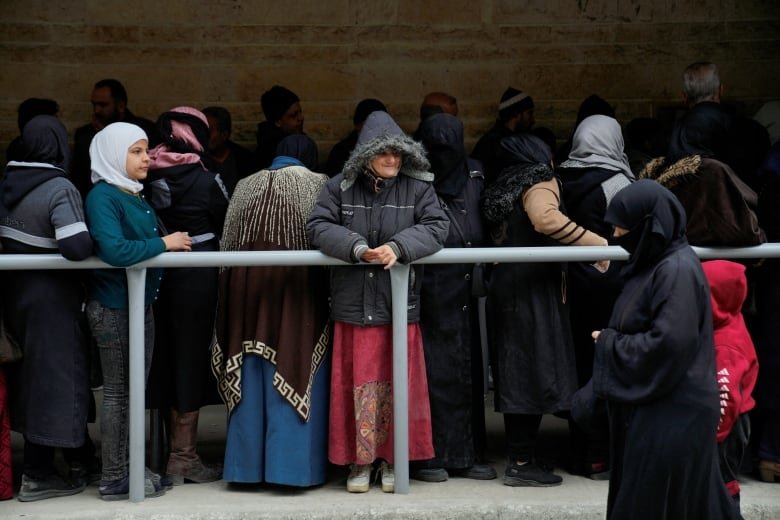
120,489
430,474
475,472
89,472
529,474
49,487
159,481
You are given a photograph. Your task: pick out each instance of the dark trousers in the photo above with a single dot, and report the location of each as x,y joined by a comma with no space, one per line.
521,430
730,454
38,460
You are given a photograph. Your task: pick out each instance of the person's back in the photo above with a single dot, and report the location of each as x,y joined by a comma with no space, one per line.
736,363
232,161
190,199
186,196
28,109
646,139
719,205
340,152
283,117
766,280
42,213
515,114
594,173
277,404
590,106
448,317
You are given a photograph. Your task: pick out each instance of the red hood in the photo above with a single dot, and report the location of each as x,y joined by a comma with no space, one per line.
728,289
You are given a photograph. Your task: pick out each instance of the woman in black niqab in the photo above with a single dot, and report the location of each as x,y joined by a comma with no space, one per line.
654,365
654,220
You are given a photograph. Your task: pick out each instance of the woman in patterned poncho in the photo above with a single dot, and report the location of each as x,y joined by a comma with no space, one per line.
272,351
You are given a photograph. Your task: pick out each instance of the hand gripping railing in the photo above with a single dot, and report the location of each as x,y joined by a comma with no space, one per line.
136,276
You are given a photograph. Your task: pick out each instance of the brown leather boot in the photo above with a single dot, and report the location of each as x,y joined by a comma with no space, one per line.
184,464
769,470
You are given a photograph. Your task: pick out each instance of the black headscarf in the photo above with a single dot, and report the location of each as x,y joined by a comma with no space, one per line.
703,131
654,218
524,160
301,147
442,136
45,140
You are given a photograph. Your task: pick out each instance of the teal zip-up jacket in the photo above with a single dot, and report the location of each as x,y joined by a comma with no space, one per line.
124,230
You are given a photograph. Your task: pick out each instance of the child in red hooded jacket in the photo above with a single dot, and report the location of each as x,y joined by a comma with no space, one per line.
736,362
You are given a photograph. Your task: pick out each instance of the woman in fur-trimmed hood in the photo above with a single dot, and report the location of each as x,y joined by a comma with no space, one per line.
532,354
381,209
379,134
719,205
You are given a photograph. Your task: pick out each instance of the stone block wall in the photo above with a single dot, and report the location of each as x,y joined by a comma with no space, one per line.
333,53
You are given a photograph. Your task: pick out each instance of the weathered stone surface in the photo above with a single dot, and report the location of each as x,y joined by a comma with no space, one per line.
332,54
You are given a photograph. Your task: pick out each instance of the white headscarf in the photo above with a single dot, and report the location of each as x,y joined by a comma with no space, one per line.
598,142
108,154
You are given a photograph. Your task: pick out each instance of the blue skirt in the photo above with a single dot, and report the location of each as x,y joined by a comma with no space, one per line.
267,441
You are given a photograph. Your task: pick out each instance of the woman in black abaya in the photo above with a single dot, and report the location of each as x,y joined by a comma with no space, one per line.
655,366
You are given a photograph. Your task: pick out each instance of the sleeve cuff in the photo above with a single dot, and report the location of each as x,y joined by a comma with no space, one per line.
358,250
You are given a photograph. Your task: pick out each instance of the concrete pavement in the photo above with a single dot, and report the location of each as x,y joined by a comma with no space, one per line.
577,498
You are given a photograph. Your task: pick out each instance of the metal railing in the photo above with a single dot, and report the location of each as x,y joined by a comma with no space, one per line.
136,276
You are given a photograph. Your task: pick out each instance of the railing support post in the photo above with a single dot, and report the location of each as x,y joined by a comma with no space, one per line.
399,281
136,281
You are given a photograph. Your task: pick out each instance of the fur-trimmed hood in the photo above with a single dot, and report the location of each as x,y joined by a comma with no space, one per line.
379,134
672,175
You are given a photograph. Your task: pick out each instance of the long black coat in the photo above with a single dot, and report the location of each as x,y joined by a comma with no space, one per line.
187,198
767,287
655,366
591,293
532,355
453,359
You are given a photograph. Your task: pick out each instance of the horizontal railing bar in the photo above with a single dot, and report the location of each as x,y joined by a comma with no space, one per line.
445,256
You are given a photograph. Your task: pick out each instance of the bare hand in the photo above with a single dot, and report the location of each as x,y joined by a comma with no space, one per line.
179,241
595,335
381,255
602,266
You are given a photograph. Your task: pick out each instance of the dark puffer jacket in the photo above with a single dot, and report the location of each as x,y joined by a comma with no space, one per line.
404,212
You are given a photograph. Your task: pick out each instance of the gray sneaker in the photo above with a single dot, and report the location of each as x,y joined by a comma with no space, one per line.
120,489
387,476
49,487
359,478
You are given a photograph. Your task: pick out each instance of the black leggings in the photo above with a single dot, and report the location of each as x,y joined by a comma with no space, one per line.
521,430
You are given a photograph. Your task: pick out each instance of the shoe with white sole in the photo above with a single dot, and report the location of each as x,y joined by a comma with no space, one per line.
359,478
388,477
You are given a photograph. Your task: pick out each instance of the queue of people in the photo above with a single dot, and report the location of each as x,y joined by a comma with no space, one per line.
625,351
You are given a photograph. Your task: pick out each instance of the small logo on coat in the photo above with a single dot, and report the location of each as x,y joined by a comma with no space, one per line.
347,212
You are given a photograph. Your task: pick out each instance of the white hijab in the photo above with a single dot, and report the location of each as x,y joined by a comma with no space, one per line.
108,154
598,142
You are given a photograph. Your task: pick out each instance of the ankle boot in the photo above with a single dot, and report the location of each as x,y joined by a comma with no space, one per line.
184,464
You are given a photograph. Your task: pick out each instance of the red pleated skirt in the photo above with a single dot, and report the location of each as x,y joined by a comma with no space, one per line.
361,396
